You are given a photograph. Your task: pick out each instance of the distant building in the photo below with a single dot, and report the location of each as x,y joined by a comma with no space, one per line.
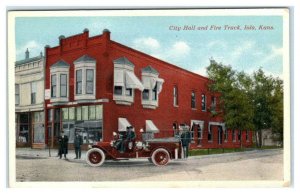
29,101
98,86
269,138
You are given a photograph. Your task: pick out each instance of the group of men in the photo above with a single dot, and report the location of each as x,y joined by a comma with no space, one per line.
124,140
63,141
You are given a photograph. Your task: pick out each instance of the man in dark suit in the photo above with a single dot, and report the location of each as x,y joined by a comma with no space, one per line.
77,145
185,140
63,145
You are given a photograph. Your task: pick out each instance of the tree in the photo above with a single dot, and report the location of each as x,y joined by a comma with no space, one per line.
268,104
248,102
235,103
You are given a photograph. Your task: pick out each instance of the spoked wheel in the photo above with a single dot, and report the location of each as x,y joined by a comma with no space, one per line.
160,157
95,157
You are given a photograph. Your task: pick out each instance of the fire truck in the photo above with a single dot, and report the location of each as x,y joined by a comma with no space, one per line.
159,151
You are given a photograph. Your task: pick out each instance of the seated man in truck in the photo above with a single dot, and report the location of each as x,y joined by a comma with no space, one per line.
130,137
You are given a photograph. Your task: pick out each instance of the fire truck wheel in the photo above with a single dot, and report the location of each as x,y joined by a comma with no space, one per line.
95,157
160,157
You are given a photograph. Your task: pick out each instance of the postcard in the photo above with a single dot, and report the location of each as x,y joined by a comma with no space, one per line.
149,98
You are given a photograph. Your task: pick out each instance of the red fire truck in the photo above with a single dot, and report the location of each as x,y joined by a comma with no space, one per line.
159,151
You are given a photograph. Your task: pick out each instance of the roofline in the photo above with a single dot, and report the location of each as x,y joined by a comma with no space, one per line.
160,60
24,61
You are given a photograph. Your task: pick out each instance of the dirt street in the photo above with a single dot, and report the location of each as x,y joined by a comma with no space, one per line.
250,165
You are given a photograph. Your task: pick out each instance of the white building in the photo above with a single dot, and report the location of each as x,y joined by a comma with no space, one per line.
29,101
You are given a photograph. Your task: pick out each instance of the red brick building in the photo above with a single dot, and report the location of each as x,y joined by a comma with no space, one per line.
98,86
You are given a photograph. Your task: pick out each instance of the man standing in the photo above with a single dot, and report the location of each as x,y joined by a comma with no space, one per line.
186,140
77,145
63,145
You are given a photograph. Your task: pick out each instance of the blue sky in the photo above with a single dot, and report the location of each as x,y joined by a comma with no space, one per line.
189,49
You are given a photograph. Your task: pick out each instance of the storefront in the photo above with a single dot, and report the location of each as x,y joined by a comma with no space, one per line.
87,120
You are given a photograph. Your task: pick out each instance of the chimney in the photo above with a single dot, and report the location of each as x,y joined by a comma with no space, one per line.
27,54
106,34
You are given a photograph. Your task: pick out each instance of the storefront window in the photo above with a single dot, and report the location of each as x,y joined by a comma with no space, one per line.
98,112
92,112
85,112
78,113
38,127
71,113
65,114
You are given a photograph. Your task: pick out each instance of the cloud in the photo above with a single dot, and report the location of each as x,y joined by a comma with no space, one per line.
180,49
147,43
34,49
273,54
241,49
173,53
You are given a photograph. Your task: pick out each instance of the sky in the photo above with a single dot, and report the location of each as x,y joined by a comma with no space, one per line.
164,37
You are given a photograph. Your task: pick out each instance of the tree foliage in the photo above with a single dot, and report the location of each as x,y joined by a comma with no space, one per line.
248,101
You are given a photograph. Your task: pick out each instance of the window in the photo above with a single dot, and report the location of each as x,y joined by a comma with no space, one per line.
233,135
79,81
226,135
89,81
193,100
213,103
203,102
128,92
78,113
175,96
59,73
17,94
247,135
85,112
92,112
84,73
118,90
146,94
210,133
53,85
153,85
33,92
63,85
154,93
239,135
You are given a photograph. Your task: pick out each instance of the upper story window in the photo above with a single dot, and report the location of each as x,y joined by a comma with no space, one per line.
59,82
213,103
17,94
153,86
85,68
63,85
193,100
175,96
33,92
125,81
53,85
79,81
203,102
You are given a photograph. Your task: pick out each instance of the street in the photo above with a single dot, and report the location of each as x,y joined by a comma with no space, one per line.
249,165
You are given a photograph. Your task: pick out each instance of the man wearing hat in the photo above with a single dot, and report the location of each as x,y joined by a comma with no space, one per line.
77,144
63,145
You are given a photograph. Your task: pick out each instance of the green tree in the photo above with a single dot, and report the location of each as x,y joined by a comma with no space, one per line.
248,102
234,103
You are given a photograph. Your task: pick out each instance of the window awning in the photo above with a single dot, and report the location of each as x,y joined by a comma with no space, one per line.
150,127
159,83
123,124
146,82
119,77
133,82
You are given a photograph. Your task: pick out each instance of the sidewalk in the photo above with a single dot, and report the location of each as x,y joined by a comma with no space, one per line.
29,153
